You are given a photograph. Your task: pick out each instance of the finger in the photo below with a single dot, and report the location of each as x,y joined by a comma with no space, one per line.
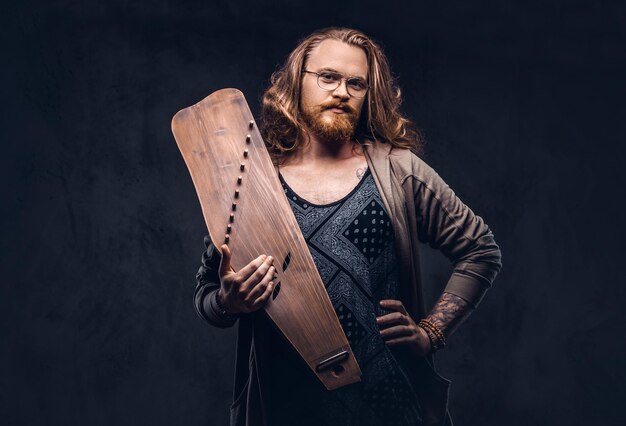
259,289
398,341
392,318
398,330
225,262
396,305
245,272
262,300
258,275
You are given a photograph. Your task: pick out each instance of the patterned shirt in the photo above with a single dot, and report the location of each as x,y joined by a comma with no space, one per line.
351,241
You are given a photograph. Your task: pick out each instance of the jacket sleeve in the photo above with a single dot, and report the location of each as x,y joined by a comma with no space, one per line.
207,284
446,224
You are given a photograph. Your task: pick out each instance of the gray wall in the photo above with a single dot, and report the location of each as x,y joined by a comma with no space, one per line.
521,103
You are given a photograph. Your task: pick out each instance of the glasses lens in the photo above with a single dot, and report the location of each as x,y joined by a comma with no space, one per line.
328,80
357,87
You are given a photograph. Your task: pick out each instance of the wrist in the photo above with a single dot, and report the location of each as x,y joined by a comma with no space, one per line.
435,336
219,300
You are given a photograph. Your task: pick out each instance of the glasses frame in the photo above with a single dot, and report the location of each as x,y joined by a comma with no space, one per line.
339,83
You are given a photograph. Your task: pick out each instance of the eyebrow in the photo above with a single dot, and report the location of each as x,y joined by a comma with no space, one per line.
335,71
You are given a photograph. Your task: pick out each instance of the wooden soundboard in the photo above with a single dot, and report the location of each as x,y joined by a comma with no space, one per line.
244,206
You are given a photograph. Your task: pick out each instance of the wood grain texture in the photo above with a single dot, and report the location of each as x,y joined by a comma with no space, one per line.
212,136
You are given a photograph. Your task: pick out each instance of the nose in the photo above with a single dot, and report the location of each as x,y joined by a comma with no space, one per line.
342,90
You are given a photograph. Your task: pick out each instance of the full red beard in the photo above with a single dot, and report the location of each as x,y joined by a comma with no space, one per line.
339,129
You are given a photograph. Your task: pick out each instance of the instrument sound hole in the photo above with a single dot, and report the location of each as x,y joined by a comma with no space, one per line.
276,291
287,260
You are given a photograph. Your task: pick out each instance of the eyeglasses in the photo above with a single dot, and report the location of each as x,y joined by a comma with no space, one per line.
329,80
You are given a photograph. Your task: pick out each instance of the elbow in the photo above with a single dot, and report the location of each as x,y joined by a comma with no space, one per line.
482,262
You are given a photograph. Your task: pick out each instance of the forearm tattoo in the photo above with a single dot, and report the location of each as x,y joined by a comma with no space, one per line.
449,312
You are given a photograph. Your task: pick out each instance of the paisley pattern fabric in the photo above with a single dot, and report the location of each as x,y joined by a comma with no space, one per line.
351,242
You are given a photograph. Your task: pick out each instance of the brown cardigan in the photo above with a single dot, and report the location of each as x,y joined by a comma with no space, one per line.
422,208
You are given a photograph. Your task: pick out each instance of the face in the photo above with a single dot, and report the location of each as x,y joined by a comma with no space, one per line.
332,115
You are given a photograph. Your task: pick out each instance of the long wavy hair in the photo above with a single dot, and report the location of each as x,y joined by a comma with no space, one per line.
282,126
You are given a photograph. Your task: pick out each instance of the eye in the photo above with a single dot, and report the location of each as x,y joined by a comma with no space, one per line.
357,84
329,77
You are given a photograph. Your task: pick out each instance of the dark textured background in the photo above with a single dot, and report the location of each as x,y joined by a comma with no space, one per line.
522,104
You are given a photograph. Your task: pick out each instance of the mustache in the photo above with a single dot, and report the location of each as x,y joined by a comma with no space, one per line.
336,104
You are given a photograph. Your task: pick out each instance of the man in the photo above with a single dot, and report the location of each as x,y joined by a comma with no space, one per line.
363,200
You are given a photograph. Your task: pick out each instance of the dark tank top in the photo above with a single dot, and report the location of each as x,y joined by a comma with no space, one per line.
351,241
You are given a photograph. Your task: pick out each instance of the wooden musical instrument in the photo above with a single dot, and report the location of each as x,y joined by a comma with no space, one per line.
244,206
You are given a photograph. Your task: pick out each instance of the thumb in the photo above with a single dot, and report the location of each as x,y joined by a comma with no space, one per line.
225,263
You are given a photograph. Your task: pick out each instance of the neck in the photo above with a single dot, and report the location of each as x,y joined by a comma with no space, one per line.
318,150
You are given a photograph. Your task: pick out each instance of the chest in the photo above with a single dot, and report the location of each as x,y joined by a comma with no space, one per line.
324,185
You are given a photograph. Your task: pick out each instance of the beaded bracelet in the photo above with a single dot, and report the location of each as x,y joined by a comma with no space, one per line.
223,311
434,341
434,329
437,339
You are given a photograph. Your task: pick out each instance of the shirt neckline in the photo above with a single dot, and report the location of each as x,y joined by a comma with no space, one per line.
342,199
